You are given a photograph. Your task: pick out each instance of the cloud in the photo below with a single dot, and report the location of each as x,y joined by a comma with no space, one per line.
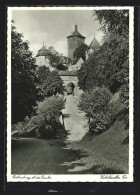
52,27
34,48
61,47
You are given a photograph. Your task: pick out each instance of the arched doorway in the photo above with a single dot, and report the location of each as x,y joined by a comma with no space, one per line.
70,88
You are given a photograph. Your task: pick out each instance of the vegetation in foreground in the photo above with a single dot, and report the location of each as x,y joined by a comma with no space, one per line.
30,84
99,109
45,123
106,72
103,74
108,153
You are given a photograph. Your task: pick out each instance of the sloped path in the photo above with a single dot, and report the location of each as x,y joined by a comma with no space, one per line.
40,156
75,122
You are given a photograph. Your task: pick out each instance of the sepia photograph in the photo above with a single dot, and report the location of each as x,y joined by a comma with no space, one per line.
70,94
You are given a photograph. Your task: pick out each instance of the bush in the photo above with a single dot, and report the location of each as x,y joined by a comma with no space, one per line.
95,101
50,109
20,126
46,122
98,109
47,119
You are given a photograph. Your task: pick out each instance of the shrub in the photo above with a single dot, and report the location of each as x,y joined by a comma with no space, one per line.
50,108
95,101
46,122
48,113
98,109
20,126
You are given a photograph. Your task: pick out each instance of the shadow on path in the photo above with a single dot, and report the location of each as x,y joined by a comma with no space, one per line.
41,156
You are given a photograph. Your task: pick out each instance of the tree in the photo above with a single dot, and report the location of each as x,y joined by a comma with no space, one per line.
94,102
89,75
42,73
113,21
24,90
50,83
53,58
80,52
50,109
98,109
53,84
60,66
109,65
47,116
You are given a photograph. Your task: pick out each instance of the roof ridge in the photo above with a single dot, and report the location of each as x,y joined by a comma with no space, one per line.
76,33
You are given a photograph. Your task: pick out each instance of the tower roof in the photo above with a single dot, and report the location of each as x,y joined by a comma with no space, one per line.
76,33
43,51
94,43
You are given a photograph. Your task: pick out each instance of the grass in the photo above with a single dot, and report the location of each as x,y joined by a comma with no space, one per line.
41,156
109,151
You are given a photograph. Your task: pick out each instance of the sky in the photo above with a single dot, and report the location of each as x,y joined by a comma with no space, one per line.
53,26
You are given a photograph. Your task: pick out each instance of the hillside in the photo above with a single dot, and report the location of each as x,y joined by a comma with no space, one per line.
107,152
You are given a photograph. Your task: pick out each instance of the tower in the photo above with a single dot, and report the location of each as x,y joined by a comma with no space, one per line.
94,45
74,41
42,58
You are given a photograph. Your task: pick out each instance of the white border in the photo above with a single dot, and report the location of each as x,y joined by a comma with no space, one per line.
84,177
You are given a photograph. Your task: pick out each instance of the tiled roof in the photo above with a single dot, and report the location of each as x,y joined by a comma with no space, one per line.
43,51
76,33
94,44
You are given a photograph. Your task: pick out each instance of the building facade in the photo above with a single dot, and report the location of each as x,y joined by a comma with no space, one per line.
70,75
74,41
42,58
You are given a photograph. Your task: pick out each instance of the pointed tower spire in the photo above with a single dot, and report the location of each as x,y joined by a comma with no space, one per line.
94,44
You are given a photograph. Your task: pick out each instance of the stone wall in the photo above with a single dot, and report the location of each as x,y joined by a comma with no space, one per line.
73,43
74,80
43,60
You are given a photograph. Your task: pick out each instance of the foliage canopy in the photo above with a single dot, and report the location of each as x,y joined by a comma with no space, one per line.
98,109
109,66
80,52
50,83
24,80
